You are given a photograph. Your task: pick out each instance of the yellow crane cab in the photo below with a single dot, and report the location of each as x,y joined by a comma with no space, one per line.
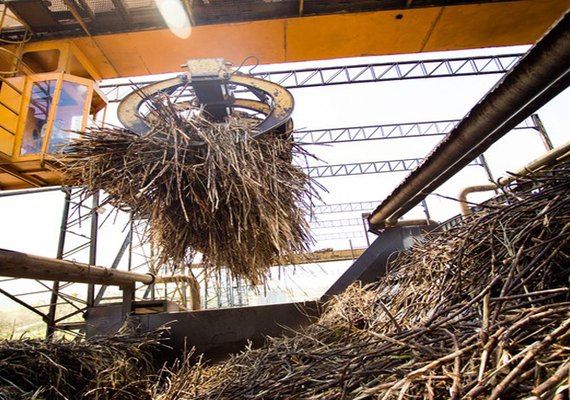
48,94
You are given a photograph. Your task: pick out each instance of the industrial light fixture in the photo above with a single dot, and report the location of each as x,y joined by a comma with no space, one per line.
175,16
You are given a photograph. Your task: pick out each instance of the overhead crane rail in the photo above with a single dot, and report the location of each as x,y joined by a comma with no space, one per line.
362,73
387,131
372,167
345,207
336,223
341,235
390,71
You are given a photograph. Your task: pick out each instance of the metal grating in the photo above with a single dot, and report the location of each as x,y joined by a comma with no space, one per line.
221,11
346,207
101,6
57,6
104,17
137,4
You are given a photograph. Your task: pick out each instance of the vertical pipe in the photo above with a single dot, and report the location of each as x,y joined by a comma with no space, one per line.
239,292
131,232
364,219
542,132
128,298
93,246
114,265
485,165
50,330
229,290
205,289
426,209
219,288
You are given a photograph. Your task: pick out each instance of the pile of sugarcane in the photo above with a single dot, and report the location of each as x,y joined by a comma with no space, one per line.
477,312
480,311
204,187
118,367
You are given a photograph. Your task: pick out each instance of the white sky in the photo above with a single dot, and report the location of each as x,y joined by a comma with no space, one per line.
30,223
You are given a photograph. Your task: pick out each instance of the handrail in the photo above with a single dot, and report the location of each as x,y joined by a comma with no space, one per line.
23,68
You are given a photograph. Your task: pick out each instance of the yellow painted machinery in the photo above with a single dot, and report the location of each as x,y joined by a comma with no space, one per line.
52,54
41,112
51,93
212,85
129,38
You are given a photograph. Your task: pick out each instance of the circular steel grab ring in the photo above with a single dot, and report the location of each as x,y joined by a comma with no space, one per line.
276,114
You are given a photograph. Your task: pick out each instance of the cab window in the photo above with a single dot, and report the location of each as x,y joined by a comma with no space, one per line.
69,116
37,117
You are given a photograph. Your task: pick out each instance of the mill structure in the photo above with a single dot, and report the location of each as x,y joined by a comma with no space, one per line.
66,64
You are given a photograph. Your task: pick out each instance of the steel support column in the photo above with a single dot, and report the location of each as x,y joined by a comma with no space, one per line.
50,330
93,246
542,132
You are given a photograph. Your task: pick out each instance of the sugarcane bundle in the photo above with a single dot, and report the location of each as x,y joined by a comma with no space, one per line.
204,187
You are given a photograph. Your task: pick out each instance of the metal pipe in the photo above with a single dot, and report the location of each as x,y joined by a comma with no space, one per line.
426,209
557,154
175,279
485,165
50,329
539,76
21,265
542,132
465,210
18,192
548,158
414,222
